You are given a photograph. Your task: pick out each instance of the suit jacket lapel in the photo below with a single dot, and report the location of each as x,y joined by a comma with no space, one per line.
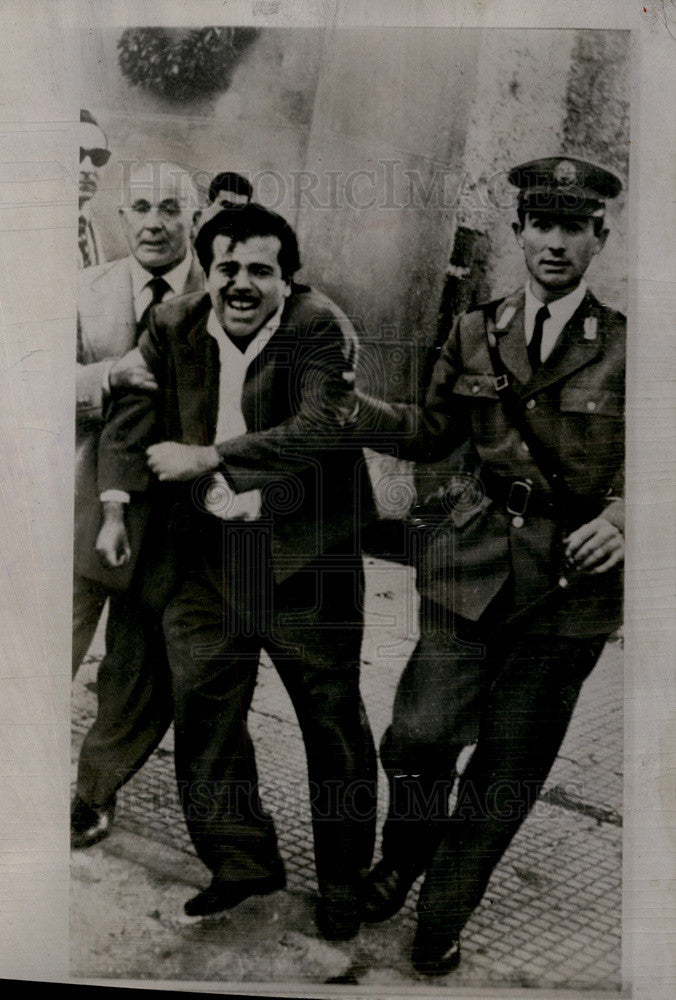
509,328
200,372
195,280
575,347
113,324
261,398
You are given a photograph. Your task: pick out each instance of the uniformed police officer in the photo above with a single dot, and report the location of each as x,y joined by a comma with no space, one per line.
520,584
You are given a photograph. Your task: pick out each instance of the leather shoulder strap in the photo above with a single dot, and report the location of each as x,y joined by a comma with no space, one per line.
544,457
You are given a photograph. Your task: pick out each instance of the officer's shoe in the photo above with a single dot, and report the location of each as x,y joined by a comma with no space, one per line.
90,824
435,954
224,894
338,917
385,890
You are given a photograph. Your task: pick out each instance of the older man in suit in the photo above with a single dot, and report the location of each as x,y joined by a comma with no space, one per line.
521,581
243,445
113,307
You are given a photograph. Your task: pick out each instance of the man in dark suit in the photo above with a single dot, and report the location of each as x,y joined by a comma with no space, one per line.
241,447
94,154
520,582
113,304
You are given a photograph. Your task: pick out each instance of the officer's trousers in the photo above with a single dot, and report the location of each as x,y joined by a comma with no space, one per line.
511,692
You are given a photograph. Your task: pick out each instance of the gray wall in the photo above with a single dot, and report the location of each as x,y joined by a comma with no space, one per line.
322,101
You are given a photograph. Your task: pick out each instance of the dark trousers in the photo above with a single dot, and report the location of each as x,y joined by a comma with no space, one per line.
89,598
311,626
134,707
511,692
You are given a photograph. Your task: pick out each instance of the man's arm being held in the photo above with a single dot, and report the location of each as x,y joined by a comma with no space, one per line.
122,464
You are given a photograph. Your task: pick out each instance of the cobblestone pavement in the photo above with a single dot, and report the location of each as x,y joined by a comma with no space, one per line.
550,918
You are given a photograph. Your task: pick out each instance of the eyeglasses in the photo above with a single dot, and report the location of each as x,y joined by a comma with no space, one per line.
99,157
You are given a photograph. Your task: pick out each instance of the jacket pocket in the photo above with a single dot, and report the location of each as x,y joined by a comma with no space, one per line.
593,425
592,401
476,385
476,393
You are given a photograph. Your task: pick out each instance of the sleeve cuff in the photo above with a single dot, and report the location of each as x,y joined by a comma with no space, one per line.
119,496
105,381
614,513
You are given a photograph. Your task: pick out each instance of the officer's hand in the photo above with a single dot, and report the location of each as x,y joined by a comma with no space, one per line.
112,543
131,372
171,460
595,547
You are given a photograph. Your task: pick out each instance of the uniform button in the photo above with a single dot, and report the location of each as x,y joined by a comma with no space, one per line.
591,405
475,387
524,446
530,405
517,521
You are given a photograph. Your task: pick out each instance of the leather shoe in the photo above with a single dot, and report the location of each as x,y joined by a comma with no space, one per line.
90,824
338,919
224,894
435,954
385,891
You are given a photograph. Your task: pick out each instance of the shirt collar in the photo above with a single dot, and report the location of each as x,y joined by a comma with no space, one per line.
259,341
176,278
560,310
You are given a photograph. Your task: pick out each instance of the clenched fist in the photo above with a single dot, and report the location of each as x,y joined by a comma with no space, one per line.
112,544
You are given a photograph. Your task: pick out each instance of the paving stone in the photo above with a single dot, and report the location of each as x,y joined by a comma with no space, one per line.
551,916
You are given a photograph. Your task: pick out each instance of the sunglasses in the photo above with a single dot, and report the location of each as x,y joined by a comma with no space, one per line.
99,157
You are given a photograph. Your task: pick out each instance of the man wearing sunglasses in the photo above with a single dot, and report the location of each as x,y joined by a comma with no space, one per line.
94,154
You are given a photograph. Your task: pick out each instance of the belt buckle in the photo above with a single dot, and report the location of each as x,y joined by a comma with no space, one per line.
501,382
519,495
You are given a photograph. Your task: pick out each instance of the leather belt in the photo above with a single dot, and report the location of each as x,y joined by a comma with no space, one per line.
520,498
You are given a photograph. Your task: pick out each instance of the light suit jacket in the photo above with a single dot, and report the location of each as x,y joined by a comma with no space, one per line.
106,330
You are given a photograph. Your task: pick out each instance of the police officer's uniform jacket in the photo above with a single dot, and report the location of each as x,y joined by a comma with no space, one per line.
499,532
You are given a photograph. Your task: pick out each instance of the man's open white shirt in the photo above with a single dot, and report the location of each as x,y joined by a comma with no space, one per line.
230,422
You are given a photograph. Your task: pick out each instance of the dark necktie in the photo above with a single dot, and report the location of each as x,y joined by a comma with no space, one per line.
535,344
158,286
82,241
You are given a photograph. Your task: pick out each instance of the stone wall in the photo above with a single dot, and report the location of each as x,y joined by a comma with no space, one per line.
543,93
356,136
388,150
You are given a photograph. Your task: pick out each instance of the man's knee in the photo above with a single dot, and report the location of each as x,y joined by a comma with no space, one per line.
329,705
173,622
183,643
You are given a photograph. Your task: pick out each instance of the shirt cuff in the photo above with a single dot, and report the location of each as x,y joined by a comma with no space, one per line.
105,381
614,513
120,496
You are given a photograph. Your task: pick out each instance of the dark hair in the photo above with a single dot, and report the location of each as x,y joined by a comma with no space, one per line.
241,223
230,181
87,116
521,211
